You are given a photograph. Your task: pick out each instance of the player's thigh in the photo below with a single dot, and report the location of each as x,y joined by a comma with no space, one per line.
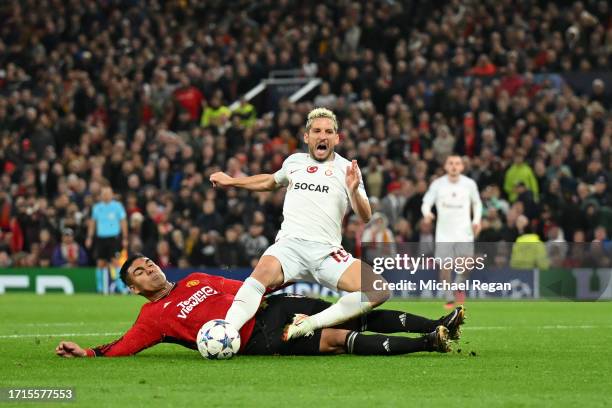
268,271
285,257
359,276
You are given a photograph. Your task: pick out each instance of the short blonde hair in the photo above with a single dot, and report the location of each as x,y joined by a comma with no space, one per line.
317,113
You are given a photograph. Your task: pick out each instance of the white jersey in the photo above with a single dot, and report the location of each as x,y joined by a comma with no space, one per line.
453,203
317,198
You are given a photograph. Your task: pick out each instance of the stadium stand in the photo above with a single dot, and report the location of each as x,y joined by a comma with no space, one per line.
136,94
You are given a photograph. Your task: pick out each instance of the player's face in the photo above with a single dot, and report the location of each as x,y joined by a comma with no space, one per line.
453,166
321,139
145,276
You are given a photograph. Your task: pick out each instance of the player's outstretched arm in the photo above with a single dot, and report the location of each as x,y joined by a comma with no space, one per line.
143,334
259,182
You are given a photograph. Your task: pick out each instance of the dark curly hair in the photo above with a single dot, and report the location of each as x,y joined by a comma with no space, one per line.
123,274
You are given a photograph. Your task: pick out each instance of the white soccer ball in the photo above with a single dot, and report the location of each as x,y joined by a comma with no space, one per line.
218,340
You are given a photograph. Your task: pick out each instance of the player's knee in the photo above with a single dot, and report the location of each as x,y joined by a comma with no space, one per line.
384,296
379,294
379,297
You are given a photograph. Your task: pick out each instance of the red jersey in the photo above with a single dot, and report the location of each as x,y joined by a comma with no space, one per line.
178,316
191,99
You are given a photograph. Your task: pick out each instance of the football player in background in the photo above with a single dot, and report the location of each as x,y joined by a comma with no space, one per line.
459,210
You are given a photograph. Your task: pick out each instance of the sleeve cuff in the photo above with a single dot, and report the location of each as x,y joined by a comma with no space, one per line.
90,352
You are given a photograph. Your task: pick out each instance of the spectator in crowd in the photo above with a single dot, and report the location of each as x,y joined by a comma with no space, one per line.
209,219
68,252
204,252
230,253
46,247
601,236
520,176
325,98
378,238
246,114
254,243
443,144
391,206
163,255
373,178
377,230
216,114
529,251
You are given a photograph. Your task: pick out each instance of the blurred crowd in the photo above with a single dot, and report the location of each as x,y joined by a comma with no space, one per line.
137,95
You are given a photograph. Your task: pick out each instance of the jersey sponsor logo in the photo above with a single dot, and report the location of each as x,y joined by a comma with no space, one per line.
192,283
312,169
198,297
293,171
452,206
311,187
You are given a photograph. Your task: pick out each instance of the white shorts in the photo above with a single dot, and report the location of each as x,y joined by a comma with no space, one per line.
454,250
310,261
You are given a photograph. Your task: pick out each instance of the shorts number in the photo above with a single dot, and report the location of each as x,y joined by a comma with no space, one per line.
340,255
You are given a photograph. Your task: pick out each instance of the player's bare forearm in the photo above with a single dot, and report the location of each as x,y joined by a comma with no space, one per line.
259,182
361,206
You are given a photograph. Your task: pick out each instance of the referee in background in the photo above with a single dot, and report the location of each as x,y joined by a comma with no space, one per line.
109,224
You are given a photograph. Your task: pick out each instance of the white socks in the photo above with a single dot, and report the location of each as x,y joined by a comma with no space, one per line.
247,300
246,303
346,308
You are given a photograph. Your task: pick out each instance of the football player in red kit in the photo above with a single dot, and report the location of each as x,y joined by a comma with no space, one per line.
176,312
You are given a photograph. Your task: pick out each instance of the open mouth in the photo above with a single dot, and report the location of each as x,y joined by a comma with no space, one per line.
322,147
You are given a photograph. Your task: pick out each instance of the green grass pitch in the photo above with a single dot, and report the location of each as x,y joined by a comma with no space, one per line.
526,354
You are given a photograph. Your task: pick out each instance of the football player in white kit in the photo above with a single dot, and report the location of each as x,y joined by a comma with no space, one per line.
454,196
320,186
